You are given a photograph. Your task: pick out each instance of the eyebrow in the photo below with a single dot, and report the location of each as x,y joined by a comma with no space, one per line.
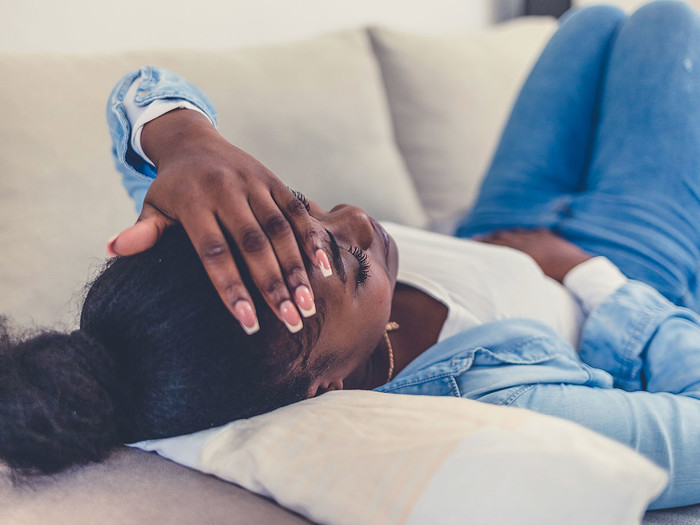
337,259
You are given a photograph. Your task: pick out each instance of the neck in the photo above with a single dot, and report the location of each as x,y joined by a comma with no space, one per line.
420,319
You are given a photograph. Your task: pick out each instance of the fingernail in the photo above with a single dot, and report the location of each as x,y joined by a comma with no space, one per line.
291,317
110,244
246,317
305,301
323,263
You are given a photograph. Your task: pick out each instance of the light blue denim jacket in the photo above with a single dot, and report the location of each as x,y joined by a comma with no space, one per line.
636,377
154,84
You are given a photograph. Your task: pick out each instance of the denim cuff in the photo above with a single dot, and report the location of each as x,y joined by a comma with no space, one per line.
153,84
593,281
616,334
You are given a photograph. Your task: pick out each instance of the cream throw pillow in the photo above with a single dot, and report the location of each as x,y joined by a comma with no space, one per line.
449,98
352,457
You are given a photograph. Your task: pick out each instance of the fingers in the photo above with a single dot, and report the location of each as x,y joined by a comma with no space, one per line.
308,232
270,250
141,236
208,240
271,228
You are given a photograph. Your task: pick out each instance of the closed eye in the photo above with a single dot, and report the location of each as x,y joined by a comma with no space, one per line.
363,265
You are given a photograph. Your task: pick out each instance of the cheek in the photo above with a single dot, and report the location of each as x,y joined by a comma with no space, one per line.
375,312
382,299
367,320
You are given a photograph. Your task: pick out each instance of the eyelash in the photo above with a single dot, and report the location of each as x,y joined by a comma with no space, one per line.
363,272
302,198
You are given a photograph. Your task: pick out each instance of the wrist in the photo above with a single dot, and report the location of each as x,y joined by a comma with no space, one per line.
168,134
568,264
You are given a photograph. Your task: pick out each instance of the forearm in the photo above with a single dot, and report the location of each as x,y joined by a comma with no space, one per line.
215,190
169,135
152,85
645,343
636,335
662,427
651,349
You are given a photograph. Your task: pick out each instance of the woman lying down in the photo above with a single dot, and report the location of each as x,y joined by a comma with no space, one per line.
261,298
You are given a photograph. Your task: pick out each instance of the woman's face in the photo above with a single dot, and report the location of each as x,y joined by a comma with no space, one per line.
357,297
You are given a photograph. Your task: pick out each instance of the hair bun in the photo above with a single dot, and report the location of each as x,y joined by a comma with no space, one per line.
85,345
81,337
56,401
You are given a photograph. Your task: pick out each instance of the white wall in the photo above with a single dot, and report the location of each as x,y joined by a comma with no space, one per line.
100,25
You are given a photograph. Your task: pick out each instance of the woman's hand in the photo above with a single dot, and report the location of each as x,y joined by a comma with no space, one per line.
555,255
212,187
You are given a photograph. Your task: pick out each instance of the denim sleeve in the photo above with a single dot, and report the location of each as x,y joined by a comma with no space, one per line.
154,84
651,348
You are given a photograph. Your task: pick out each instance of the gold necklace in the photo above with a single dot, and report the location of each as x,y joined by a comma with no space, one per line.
390,327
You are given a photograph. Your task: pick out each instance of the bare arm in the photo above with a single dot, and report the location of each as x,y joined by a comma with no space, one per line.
555,255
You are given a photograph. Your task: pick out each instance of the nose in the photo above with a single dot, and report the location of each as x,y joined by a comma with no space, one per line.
353,225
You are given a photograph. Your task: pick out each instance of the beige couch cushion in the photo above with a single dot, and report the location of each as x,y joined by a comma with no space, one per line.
449,98
314,112
136,488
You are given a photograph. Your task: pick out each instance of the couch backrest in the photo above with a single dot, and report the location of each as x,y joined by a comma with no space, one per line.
316,112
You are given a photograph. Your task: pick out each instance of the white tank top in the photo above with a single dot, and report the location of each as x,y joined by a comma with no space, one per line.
480,282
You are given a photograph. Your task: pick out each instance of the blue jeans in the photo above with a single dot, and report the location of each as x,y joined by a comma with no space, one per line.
603,146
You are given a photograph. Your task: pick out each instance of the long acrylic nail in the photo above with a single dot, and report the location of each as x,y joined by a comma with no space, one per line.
290,316
110,246
246,317
323,263
305,301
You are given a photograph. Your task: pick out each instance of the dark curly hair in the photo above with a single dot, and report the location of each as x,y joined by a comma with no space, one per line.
157,355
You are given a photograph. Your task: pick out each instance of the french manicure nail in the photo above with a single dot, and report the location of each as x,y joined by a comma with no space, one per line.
246,317
304,301
110,243
323,263
290,316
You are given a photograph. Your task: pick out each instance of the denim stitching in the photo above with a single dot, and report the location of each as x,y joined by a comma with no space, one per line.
517,394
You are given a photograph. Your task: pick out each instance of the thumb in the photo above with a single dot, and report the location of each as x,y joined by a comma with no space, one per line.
142,235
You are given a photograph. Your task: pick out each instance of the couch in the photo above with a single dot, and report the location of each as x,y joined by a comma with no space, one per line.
399,123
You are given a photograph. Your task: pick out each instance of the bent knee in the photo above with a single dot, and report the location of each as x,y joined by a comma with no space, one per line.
667,16
600,16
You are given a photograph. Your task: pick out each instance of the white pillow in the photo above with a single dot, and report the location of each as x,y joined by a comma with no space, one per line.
352,457
449,98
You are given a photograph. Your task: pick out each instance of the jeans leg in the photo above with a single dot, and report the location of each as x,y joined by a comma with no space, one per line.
545,147
641,205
